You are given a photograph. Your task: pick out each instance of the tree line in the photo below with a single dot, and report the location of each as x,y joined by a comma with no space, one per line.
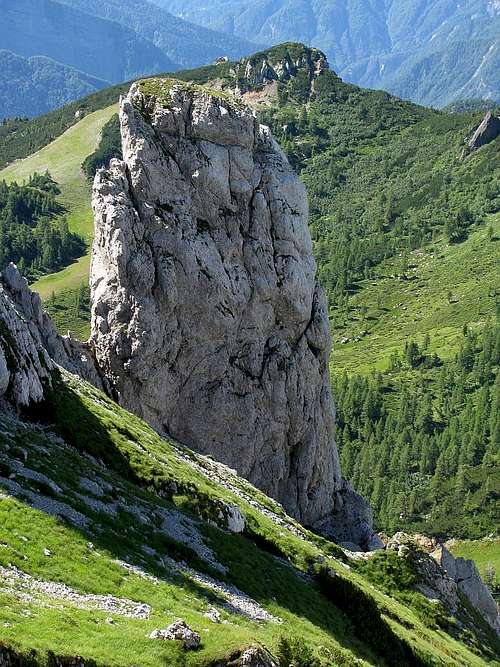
34,233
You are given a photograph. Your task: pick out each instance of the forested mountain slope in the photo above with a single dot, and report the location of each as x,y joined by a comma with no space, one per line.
100,48
405,225
32,86
430,51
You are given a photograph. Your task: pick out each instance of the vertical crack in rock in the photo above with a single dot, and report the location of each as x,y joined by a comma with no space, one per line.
207,318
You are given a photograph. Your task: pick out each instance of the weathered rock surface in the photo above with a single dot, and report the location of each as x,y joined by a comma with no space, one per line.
488,131
444,577
179,631
207,318
25,366
256,657
30,346
271,67
251,657
468,580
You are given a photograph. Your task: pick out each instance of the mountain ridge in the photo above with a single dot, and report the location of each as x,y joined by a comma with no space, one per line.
376,44
100,48
35,85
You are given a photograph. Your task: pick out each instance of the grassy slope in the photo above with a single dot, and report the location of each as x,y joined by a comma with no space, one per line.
96,425
399,310
63,158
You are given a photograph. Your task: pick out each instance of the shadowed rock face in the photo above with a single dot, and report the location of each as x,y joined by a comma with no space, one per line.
208,320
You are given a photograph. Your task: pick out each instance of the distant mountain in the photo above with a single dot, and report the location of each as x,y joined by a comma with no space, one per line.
431,51
100,48
187,44
31,86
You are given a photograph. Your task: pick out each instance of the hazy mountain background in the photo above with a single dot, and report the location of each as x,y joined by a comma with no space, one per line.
100,48
430,51
88,41
31,86
434,52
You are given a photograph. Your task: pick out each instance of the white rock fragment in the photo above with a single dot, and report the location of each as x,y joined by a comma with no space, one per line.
214,615
179,631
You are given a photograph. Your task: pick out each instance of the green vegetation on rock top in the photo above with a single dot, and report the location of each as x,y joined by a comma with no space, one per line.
160,89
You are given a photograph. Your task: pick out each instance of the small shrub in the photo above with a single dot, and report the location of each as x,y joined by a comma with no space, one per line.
294,652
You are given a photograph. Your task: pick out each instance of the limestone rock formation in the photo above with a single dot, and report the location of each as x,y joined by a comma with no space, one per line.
30,347
25,366
488,131
468,580
273,66
443,577
207,318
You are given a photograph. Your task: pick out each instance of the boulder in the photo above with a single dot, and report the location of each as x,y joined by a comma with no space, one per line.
235,519
179,631
256,657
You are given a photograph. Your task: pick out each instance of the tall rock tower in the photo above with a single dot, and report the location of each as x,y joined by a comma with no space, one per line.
207,318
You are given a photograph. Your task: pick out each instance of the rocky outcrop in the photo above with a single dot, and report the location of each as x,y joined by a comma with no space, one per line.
207,318
30,347
468,580
256,657
487,132
443,577
351,522
25,366
179,631
276,66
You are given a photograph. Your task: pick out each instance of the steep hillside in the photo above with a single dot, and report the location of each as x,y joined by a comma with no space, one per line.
187,44
30,86
433,52
127,577
405,228
20,137
63,160
110,533
100,48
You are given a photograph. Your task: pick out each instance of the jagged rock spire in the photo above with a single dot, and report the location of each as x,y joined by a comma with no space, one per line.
207,317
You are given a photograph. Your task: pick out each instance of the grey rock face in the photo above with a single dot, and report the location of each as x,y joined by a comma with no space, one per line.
25,366
207,318
30,346
267,69
443,577
488,131
465,574
351,521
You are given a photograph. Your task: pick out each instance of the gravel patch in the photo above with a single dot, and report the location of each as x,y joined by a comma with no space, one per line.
30,589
